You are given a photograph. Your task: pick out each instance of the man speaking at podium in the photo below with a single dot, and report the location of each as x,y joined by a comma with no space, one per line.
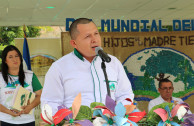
80,72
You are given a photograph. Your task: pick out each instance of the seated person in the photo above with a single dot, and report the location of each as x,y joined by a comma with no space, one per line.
80,72
165,89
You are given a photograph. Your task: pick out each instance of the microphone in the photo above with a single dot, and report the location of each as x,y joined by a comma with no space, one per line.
99,51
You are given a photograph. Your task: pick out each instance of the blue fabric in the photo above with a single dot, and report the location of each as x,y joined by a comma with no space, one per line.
99,112
134,124
26,53
161,123
174,124
120,110
168,111
119,120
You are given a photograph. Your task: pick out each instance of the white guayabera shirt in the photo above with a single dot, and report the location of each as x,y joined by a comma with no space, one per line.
73,74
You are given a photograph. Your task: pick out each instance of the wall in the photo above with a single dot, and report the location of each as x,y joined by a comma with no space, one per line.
43,53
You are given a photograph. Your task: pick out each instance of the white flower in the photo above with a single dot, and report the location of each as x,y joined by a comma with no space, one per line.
181,112
99,121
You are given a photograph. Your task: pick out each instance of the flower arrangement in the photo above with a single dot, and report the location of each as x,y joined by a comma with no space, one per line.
116,115
167,114
73,116
108,114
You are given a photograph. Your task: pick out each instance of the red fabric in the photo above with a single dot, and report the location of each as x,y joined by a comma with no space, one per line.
103,107
136,116
44,119
107,111
60,115
128,99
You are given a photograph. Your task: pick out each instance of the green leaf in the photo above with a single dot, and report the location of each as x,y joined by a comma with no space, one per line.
177,79
155,118
94,104
8,34
61,123
84,113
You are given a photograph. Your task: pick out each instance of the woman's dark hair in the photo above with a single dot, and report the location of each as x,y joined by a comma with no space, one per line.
4,67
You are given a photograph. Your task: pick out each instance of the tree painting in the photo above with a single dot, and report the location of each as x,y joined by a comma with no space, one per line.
169,62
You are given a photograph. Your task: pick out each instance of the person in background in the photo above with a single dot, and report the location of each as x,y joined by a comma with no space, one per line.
80,72
165,89
11,76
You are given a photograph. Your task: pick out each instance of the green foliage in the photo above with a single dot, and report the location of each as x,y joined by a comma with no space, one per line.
177,66
61,123
46,28
182,93
149,93
156,94
147,81
146,123
84,113
8,34
94,104
155,118
187,73
0,53
33,31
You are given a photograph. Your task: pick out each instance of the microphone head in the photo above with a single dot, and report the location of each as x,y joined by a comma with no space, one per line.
97,49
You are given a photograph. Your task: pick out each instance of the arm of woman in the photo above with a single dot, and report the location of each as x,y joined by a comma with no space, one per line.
8,111
37,88
28,108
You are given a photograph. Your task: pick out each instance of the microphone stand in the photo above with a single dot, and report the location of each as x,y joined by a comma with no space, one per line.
103,66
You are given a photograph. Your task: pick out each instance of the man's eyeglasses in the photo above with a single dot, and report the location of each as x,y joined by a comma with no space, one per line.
167,88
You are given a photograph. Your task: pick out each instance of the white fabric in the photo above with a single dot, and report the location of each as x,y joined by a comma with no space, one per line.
99,121
6,95
25,67
181,112
70,75
160,100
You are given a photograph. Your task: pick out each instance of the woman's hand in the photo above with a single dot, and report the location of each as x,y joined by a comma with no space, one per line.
26,109
14,113
11,112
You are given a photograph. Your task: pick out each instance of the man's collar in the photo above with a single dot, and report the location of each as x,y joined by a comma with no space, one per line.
165,101
79,55
161,98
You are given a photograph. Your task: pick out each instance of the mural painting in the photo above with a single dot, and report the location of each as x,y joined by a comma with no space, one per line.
153,64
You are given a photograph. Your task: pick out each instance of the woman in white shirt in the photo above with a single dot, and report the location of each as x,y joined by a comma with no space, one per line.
11,76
